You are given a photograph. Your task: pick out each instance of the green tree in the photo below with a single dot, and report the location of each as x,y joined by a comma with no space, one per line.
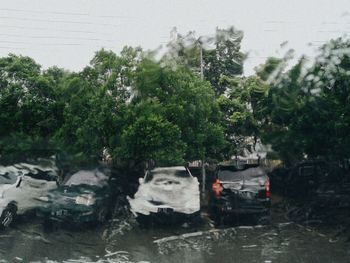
221,55
91,119
152,137
113,72
244,109
29,113
184,101
308,107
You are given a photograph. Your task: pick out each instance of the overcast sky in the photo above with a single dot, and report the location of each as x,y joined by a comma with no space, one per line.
68,32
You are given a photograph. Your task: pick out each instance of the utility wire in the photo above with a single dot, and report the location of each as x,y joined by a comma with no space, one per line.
61,13
51,44
40,44
57,21
4,47
52,29
55,37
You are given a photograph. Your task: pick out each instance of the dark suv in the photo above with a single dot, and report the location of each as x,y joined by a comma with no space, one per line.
302,180
243,191
85,196
307,176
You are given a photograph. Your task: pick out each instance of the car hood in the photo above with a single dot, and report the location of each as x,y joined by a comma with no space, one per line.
3,189
170,191
68,194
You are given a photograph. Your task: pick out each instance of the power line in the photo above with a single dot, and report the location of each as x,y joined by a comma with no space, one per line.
55,37
41,12
52,29
4,47
60,13
57,21
41,49
50,44
40,44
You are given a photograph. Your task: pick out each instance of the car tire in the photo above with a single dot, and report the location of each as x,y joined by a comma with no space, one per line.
48,226
102,215
144,221
8,215
263,219
216,216
195,219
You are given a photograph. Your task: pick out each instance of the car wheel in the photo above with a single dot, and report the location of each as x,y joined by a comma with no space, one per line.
195,219
216,216
144,221
102,215
262,219
49,225
8,215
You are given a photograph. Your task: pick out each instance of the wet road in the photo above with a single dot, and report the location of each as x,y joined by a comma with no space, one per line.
123,241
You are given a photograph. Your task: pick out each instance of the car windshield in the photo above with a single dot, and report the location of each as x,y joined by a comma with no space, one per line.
87,178
8,178
38,171
232,174
166,172
228,175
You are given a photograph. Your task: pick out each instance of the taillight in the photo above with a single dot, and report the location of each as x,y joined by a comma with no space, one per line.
267,189
217,188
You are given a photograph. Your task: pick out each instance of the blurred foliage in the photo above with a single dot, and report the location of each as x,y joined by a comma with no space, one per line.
178,98
308,106
133,108
221,55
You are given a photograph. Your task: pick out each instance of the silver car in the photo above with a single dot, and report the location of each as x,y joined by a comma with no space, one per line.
22,186
166,191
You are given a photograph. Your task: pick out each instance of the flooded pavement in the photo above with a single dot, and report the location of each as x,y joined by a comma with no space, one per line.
123,241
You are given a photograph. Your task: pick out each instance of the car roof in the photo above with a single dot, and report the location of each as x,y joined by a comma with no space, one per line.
238,168
171,168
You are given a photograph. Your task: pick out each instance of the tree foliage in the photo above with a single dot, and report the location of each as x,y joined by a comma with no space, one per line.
221,55
30,113
136,108
308,107
181,99
130,106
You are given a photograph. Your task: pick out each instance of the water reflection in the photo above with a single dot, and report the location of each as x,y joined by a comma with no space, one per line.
123,241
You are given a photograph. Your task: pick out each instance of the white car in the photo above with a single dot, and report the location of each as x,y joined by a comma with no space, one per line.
21,187
167,191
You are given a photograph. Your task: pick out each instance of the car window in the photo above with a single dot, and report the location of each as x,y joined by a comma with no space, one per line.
306,171
182,174
8,178
148,177
38,172
229,174
168,172
47,176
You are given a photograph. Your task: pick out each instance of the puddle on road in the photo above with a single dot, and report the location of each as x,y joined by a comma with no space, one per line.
124,242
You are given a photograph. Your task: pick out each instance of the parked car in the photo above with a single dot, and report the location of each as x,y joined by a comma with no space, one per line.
166,193
85,196
22,185
243,191
306,176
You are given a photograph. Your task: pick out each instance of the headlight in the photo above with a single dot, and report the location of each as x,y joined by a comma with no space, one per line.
85,200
